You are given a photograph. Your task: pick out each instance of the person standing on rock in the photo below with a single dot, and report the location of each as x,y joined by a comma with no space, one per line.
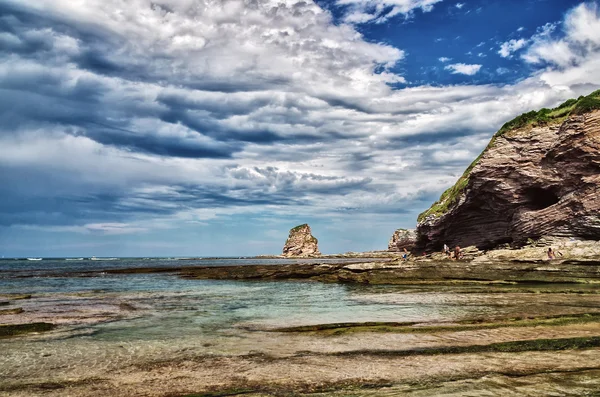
447,250
457,253
551,254
405,254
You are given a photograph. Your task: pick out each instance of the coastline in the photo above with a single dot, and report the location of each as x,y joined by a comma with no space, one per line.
579,263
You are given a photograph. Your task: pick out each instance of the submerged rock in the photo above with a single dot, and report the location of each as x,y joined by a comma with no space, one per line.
539,176
402,238
10,330
301,242
6,312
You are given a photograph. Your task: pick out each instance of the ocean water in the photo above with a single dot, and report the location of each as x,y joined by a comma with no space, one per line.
216,305
128,308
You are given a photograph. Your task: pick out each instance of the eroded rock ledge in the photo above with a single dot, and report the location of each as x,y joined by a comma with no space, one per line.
579,263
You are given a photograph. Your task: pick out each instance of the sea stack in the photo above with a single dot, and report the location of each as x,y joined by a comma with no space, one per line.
539,176
301,242
402,238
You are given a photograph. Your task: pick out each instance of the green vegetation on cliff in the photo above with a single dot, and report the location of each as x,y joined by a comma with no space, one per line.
526,121
309,238
297,228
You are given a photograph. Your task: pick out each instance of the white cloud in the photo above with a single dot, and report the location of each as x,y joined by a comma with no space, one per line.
511,46
444,59
110,229
461,68
459,5
452,155
580,42
362,11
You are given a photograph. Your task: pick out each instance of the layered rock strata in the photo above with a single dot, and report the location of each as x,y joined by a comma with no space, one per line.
402,238
427,271
301,242
540,176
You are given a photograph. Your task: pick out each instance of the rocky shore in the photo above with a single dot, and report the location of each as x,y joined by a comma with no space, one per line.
579,262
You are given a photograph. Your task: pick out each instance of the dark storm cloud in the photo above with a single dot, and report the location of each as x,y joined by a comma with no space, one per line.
219,109
215,130
100,63
36,32
47,99
442,136
149,143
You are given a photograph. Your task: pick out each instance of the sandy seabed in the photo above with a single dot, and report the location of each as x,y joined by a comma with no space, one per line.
253,358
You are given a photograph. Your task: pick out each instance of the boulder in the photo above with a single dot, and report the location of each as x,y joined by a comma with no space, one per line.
301,243
402,238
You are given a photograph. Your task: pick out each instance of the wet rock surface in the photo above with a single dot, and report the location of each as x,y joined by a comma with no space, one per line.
510,265
530,182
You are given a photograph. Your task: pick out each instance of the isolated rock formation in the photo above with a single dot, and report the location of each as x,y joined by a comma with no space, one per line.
402,238
301,242
539,176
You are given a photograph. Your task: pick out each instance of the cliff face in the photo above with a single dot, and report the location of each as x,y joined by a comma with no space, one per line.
402,238
540,176
301,242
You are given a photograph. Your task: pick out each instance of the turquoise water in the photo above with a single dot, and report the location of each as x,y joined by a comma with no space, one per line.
107,322
120,323
157,304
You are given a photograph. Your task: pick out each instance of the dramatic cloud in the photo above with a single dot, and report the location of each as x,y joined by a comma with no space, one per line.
126,118
461,68
511,46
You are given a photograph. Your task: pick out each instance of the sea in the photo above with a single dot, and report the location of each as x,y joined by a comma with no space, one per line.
191,305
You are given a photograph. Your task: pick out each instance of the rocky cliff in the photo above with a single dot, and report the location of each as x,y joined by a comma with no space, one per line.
301,242
539,176
402,238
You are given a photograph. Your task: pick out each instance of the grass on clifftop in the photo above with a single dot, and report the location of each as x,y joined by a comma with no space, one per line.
299,227
532,119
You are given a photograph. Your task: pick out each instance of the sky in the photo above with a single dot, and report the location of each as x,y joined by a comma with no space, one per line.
212,127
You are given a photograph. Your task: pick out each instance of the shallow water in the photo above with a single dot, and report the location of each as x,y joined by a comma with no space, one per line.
109,322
